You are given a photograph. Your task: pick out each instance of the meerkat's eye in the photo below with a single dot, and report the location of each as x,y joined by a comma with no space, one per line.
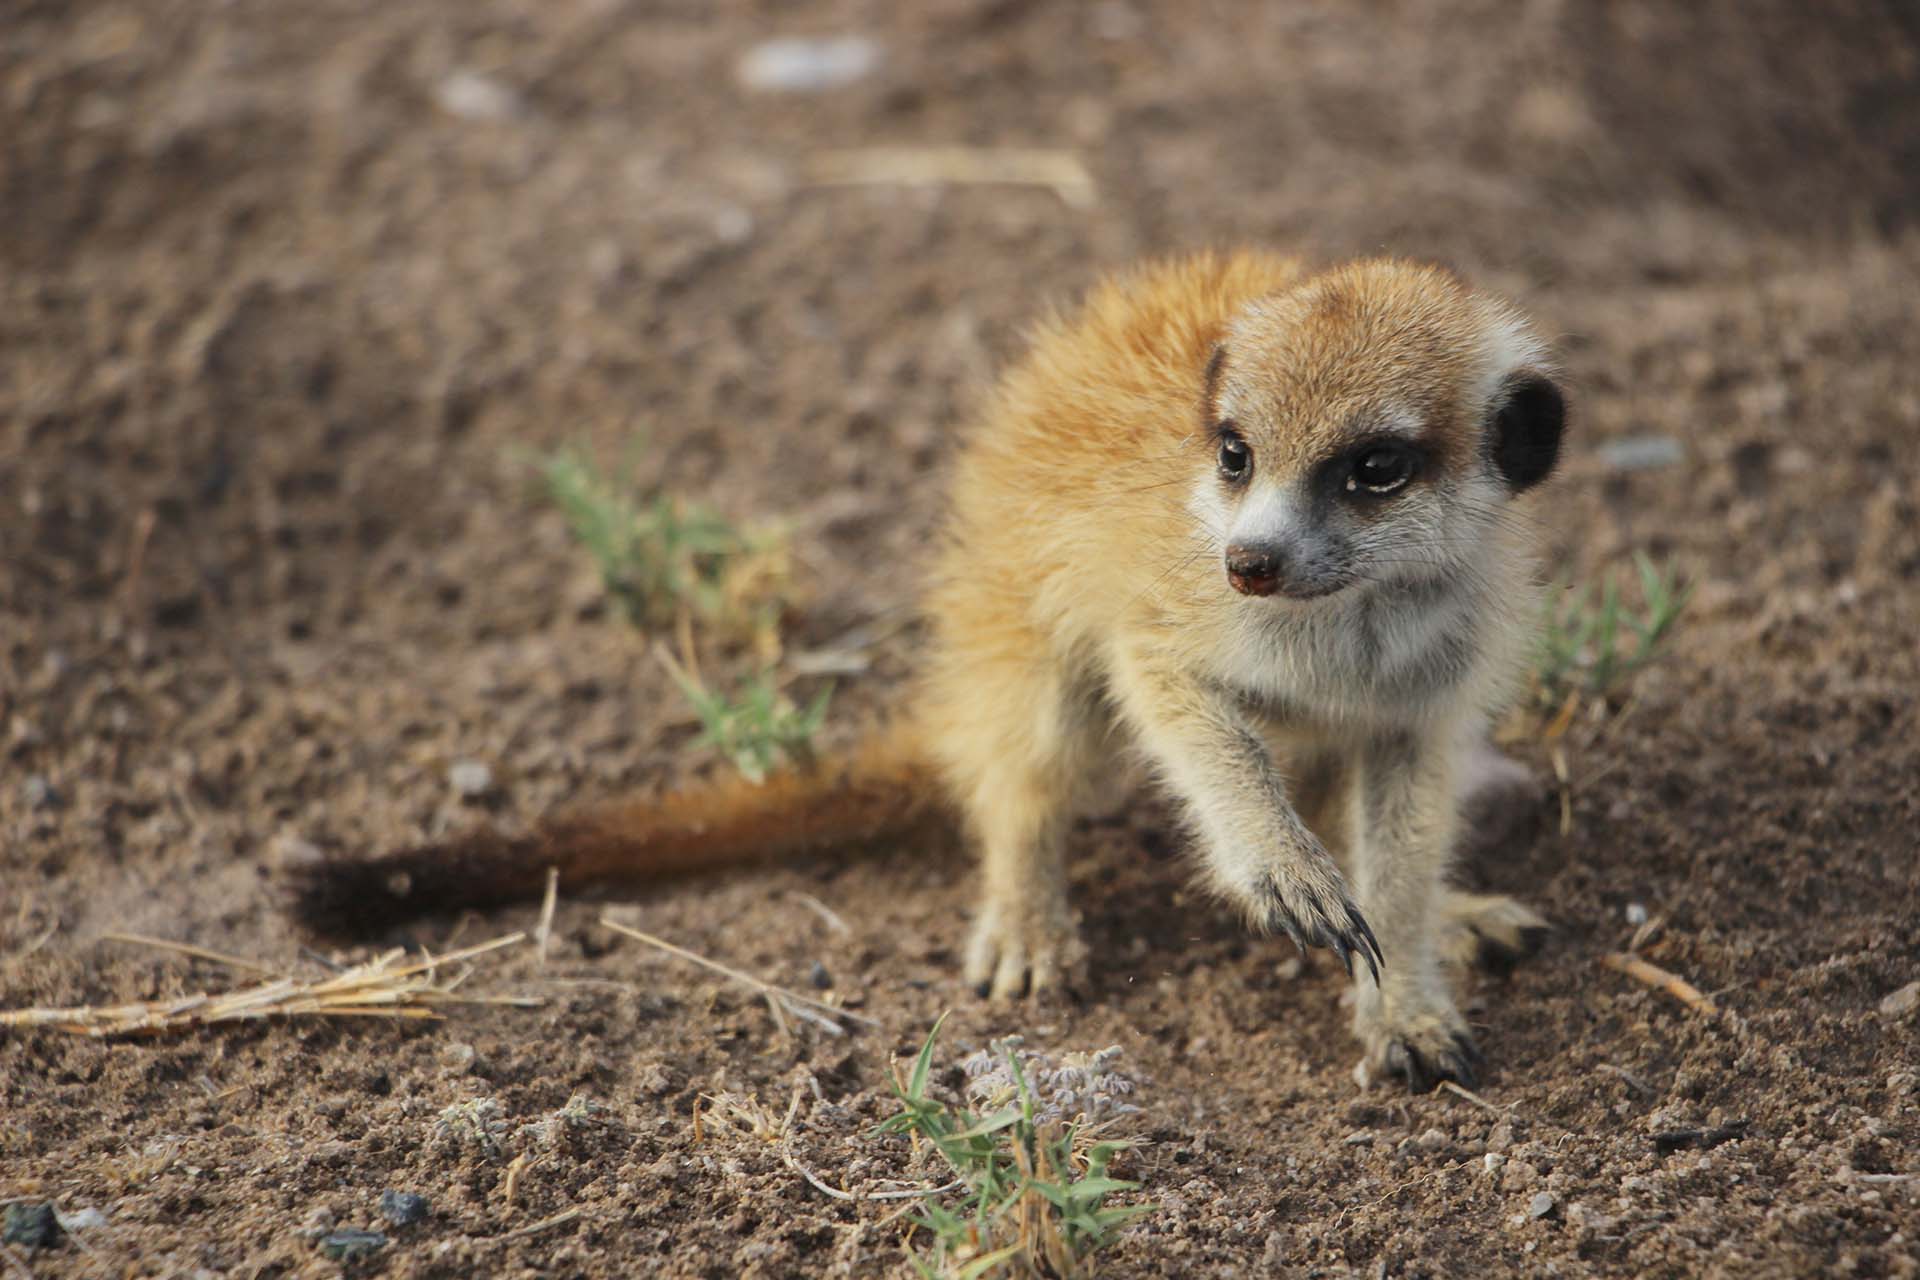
1236,459
1381,472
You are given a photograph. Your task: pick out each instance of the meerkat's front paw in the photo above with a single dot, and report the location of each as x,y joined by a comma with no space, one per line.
1490,930
1312,907
1422,1047
1021,948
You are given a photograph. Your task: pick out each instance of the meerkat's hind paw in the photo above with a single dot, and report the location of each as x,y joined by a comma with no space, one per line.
1458,1060
1421,1049
1491,930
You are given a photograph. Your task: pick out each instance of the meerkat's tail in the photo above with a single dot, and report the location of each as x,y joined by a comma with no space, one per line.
879,786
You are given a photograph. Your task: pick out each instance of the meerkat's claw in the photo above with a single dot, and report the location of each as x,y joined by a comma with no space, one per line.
1318,915
1423,1069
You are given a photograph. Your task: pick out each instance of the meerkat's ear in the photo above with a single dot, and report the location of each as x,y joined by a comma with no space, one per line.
1528,419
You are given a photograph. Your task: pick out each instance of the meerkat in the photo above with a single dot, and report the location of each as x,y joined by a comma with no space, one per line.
1265,524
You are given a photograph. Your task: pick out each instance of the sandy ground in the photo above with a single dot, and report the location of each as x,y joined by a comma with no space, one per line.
285,290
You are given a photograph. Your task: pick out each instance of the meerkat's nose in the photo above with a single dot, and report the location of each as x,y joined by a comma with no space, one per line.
1256,569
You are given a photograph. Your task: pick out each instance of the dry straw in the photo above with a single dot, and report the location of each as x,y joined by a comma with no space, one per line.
380,988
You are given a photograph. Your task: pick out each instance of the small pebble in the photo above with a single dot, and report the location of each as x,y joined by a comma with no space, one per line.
459,1056
1642,453
1902,1002
1289,969
1492,1161
1540,1206
819,976
1433,1140
345,1246
33,1226
808,66
1359,1138
470,779
37,793
403,1208
81,1220
1636,914
472,96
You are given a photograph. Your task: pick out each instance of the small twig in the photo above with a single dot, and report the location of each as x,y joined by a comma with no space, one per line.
558,1219
544,930
1881,1178
789,997
1461,1091
188,949
136,560
1633,1082
1561,773
825,912
521,1163
1660,980
858,1197
1060,171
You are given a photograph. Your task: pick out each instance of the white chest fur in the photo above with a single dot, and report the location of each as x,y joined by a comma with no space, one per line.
1394,654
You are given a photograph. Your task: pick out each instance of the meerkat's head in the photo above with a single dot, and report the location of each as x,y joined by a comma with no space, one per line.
1370,426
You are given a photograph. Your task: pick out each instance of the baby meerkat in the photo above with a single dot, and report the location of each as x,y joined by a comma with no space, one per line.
1263,520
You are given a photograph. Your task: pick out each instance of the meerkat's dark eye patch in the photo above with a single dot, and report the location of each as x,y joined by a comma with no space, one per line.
1382,471
1235,456
1524,435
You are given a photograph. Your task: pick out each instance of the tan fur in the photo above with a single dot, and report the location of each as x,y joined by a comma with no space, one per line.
1078,599
1078,580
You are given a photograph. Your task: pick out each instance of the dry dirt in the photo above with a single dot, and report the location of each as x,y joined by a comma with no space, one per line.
284,290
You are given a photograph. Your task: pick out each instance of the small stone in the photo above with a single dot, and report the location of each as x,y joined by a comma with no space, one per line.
37,793
1433,1140
1541,1205
1359,1138
819,976
459,1056
1501,1136
345,1246
403,1208
291,853
1902,1002
1642,453
472,96
80,1220
32,1226
470,779
1289,969
1636,914
1491,1162
807,65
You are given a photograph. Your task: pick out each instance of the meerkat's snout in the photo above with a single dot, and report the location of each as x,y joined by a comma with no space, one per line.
1278,544
1288,568
1256,570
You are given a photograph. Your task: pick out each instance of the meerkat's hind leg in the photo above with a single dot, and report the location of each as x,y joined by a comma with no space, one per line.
1488,930
1017,758
1024,939
1496,792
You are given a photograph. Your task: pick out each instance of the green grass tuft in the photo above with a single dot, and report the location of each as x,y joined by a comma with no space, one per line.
1035,1189
755,726
662,557
1592,644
